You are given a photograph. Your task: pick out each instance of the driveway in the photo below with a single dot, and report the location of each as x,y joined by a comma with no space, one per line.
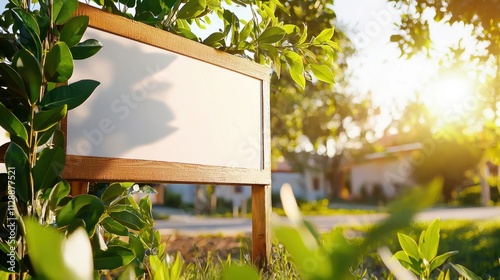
183,223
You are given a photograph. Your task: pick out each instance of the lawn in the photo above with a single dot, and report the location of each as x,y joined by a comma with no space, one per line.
478,243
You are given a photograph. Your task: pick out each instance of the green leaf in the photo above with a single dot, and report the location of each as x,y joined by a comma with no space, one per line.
128,218
324,36
59,63
86,207
146,206
240,272
158,268
58,192
48,167
46,119
303,36
441,259
5,259
72,95
29,32
13,81
113,191
444,275
58,139
16,161
247,30
176,268
323,73
192,9
430,242
296,67
128,274
26,19
12,124
407,262
465,272
45,136
409,246
271,35
63,10
213,38
291,28
137,246
168,3
402,256
54,257
334,45
20,142
114,257
114,227
74,29
45,249
30,71
85,49
187,33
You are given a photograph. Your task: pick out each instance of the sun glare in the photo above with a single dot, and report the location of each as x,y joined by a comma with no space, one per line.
450,95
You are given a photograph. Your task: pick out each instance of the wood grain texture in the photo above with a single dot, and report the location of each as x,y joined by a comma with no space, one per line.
261,225
266,124
162,39
110,169
79,187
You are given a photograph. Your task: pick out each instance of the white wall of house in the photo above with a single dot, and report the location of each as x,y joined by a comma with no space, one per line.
295,179
309,185
234,194
316,185
186,191
390,173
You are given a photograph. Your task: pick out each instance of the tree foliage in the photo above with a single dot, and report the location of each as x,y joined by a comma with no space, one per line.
479,22
253,31
415,23
322,116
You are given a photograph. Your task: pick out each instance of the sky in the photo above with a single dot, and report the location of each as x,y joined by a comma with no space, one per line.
378,68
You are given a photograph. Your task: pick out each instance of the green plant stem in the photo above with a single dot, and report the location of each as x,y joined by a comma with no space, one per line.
170,18
32,159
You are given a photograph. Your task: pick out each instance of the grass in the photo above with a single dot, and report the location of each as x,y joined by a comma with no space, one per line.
330,212
478,243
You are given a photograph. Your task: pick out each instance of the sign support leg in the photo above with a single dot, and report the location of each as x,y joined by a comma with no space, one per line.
78,187
261,225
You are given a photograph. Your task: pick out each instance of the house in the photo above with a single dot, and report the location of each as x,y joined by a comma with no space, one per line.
384,173
310,184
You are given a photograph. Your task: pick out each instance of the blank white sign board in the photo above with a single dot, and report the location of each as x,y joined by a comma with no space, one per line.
158,105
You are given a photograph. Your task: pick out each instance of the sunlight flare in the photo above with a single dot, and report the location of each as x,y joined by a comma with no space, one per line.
450,97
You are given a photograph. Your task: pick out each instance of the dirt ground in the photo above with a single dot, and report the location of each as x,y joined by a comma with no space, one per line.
190,246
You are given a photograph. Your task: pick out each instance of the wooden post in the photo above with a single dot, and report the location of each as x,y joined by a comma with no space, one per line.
79,187
261,225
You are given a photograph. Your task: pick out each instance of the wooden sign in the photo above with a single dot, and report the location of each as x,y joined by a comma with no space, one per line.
171,110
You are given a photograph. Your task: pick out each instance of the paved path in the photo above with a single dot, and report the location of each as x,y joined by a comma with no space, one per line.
184,223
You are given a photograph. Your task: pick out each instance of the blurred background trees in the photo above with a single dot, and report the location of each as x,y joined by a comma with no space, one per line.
320,122
472,138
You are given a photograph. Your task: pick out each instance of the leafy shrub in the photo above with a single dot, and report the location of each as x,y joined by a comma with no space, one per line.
320,205
477,243
171,199
470,196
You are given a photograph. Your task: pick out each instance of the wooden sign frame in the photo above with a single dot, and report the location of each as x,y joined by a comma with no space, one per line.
92,168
